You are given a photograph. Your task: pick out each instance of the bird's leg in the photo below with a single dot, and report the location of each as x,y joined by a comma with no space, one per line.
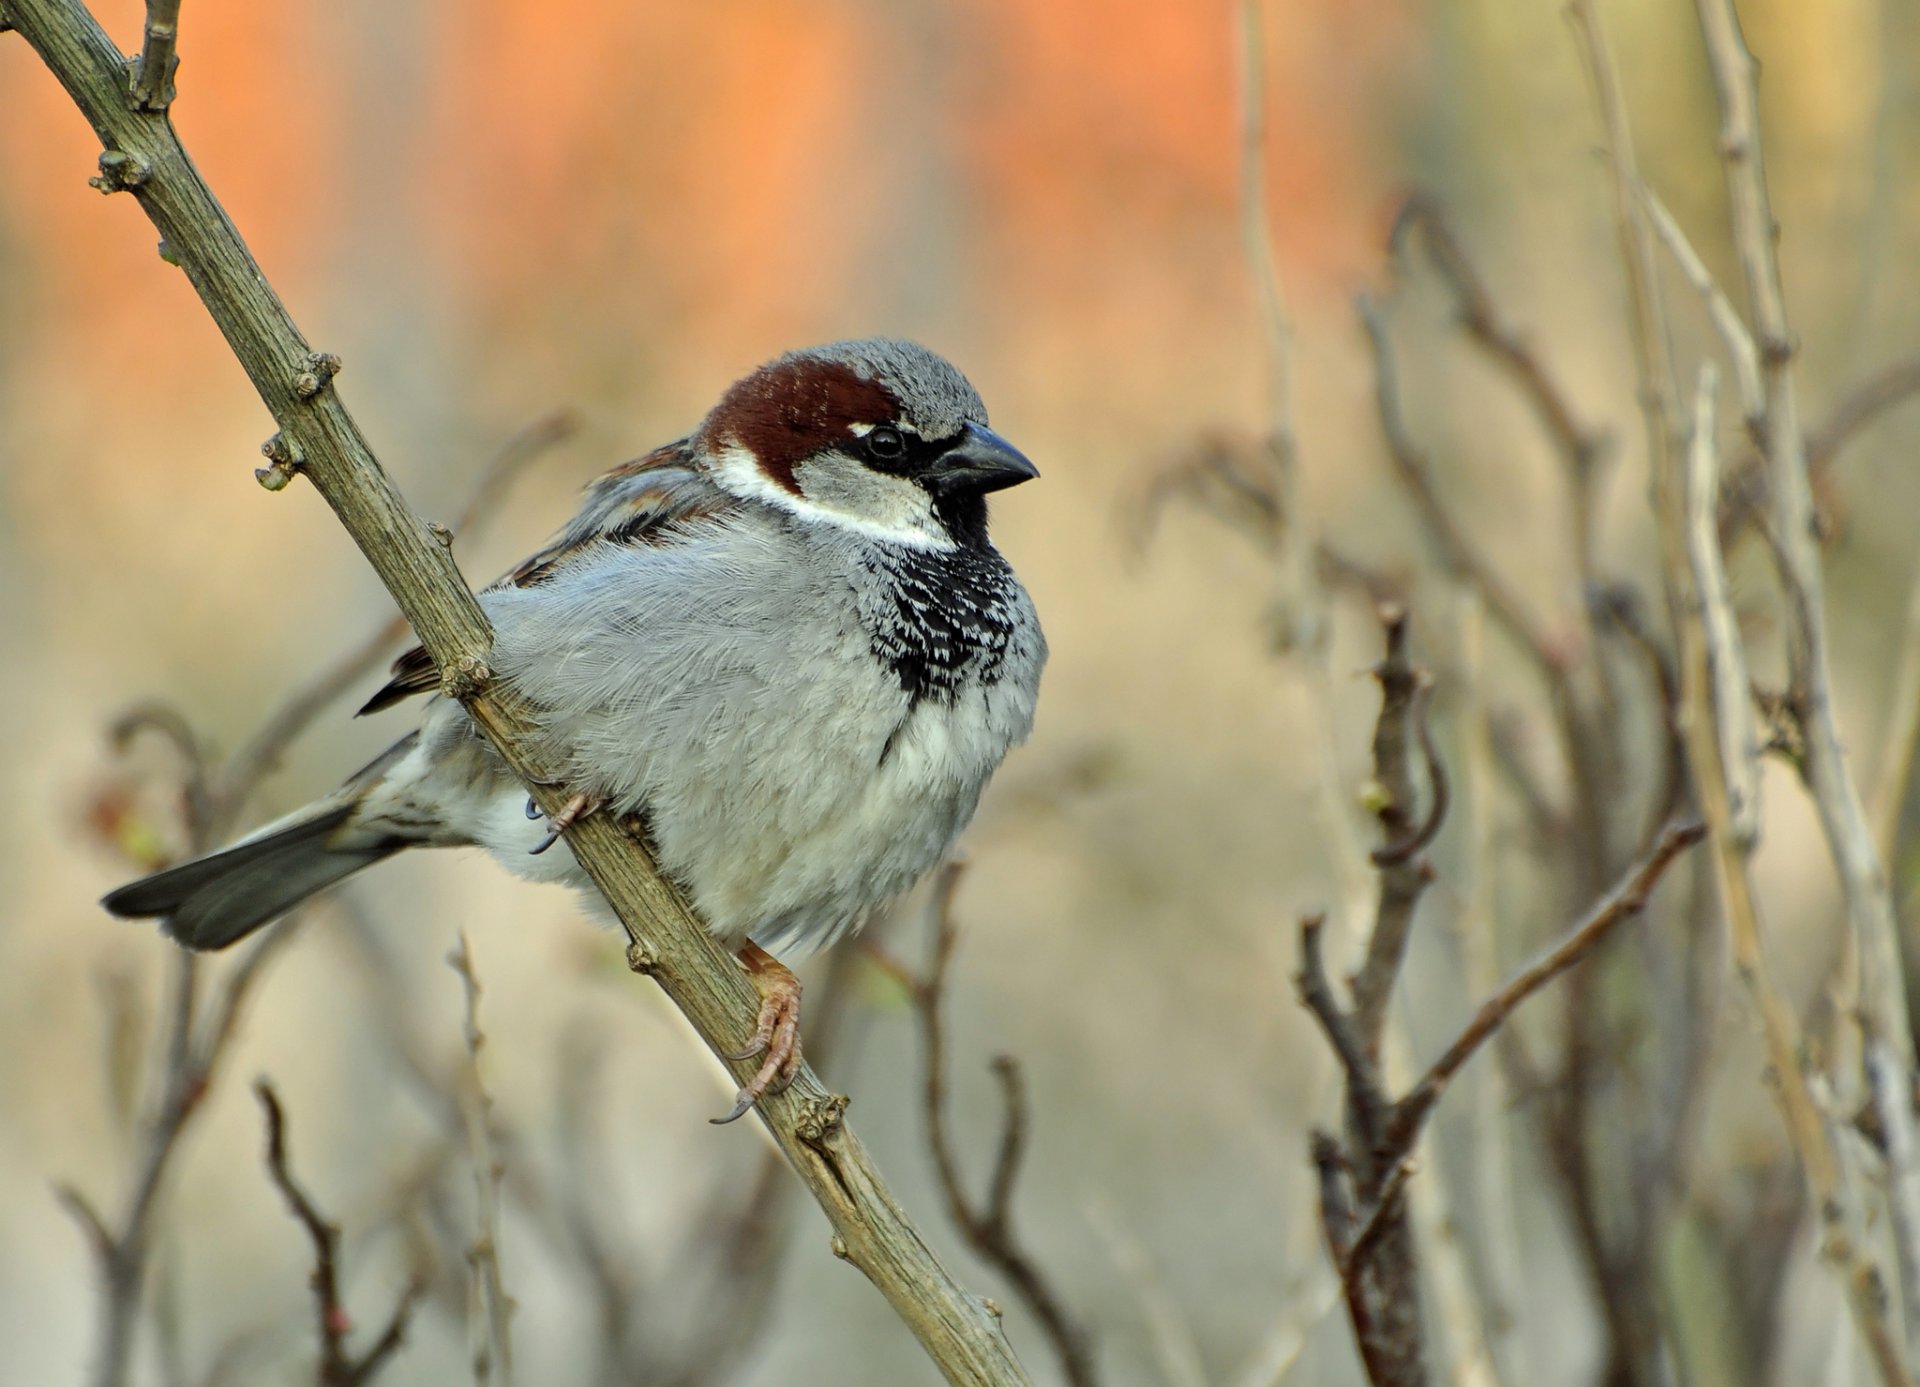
777,1032
570,814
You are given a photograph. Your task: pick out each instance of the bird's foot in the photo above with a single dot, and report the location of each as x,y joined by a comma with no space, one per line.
776,1034
570,814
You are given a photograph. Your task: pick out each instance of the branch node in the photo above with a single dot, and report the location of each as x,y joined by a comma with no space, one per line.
820,1118
316,373
284,458
441,534
641,959
120,171
153,94
466,678
838,1246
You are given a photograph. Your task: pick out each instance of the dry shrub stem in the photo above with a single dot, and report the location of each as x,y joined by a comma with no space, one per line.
490,1309
1363,1176
1882,980
987,1226
319,440
1887,1034
191,1054
339,1367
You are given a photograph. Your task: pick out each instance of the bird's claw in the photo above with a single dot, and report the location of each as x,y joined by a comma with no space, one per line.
776,1033
570,814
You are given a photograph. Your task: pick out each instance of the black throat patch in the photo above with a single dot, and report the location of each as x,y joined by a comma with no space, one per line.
940,616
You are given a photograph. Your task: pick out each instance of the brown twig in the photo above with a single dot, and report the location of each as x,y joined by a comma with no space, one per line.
1402,877
338,1366
261,753
1457,554
488,1334
152,71
1581,446
1625,901
987,1226
1302,620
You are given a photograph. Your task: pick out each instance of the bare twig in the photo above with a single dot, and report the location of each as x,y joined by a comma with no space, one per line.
987,1225
1727,676
320,440
1884,1010
1402,876
1301,619
1727,321
245,769
1582,447
1866,402
1624,902
338,1366
488,1335
1457,554
152,71
1895,760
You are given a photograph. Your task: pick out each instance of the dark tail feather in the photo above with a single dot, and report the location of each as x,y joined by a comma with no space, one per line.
214,900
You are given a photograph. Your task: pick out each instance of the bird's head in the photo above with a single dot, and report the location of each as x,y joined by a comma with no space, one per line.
875,435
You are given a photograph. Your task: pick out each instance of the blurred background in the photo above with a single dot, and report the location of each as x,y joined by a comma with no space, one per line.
494,211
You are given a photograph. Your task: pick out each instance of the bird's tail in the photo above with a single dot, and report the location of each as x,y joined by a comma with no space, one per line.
216,900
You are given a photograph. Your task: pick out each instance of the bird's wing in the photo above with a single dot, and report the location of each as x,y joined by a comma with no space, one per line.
638,502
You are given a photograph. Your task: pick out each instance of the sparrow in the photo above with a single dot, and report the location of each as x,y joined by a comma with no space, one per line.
784,643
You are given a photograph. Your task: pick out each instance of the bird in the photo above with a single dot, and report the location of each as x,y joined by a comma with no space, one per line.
784,644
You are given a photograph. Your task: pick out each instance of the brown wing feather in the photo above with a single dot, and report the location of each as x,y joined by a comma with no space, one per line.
637,502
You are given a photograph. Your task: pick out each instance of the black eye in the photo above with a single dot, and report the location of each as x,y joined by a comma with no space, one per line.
885,444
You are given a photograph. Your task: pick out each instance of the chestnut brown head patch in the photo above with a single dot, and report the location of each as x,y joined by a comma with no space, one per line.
793,408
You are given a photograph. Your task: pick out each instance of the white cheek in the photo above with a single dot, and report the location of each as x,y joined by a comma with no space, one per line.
898,512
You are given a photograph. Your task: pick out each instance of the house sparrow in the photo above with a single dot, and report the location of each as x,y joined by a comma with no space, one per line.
785,642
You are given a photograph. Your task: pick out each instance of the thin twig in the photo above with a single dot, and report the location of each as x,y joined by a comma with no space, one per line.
1403,877
1734,719
1457,554
1625,901
987,1226
1860,407
1304,623
152,71
1895,759
1582,447
1727,321
338,1366
1883,1000
488,1334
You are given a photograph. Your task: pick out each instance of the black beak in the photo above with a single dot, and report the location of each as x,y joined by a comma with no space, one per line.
981,461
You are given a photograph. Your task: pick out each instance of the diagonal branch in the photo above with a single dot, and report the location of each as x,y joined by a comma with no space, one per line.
320,440
1625,901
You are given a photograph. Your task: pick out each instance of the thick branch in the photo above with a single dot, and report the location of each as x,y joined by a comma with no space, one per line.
319,439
